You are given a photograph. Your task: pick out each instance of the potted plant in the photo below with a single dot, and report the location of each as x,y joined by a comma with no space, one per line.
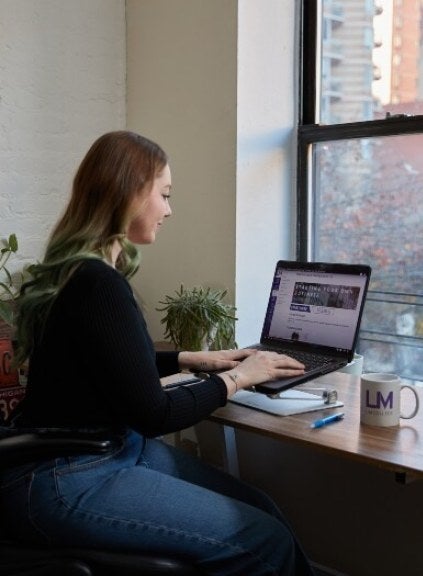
9,291
199,319
9,288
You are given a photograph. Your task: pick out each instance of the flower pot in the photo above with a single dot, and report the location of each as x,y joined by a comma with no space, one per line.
12,389
9,376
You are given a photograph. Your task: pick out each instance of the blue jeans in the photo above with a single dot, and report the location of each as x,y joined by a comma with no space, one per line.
149,496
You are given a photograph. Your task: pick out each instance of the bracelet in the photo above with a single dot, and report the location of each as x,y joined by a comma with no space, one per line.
234,378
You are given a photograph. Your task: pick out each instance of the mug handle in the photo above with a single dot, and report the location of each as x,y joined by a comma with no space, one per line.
416,396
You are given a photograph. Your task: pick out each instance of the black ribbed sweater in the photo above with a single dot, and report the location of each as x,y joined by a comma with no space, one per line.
94,365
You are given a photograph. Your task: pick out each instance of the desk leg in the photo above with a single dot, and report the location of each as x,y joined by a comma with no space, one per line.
230,456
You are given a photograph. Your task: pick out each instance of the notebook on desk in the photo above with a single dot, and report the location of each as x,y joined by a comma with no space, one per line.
288,402
313,314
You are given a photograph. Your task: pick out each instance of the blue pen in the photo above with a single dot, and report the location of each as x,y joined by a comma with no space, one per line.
327,420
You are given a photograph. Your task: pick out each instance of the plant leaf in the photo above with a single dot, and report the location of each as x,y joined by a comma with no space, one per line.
13,243
6,312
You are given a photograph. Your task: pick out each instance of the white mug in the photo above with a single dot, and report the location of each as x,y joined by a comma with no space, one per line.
380,399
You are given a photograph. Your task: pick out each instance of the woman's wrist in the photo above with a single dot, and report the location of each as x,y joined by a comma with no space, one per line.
232,380
235,379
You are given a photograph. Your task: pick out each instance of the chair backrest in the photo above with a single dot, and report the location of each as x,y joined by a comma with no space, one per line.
18,448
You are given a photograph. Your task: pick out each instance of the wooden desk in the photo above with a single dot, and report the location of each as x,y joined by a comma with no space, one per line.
399,449
335,484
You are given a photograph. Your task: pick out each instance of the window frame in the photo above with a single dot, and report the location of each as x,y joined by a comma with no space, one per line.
309,132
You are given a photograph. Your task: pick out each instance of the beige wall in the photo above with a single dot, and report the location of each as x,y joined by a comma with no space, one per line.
181,78
62,70
212,81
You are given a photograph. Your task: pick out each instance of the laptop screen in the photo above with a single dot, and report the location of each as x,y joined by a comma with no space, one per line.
316,304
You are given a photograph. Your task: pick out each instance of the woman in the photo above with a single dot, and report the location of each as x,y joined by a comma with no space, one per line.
92,366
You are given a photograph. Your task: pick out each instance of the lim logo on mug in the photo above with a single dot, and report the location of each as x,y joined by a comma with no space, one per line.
380,402
380,399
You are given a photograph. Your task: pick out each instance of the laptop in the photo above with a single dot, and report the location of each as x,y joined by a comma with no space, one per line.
313,314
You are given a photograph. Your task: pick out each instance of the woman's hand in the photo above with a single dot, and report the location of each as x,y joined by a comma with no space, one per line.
260,367
242,368
210,361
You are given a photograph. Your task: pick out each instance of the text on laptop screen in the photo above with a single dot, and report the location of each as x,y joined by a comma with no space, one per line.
314,307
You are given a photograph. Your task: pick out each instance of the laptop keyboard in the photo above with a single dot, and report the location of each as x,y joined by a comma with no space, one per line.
310,360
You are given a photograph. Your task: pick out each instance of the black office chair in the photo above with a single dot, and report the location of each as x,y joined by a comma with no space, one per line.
21,560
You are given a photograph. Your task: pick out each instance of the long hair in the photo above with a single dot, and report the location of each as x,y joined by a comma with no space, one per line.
118,166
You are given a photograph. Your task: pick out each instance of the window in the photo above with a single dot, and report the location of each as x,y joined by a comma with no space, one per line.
360,164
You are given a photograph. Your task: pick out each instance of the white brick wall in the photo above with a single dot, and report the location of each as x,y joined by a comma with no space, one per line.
62,84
